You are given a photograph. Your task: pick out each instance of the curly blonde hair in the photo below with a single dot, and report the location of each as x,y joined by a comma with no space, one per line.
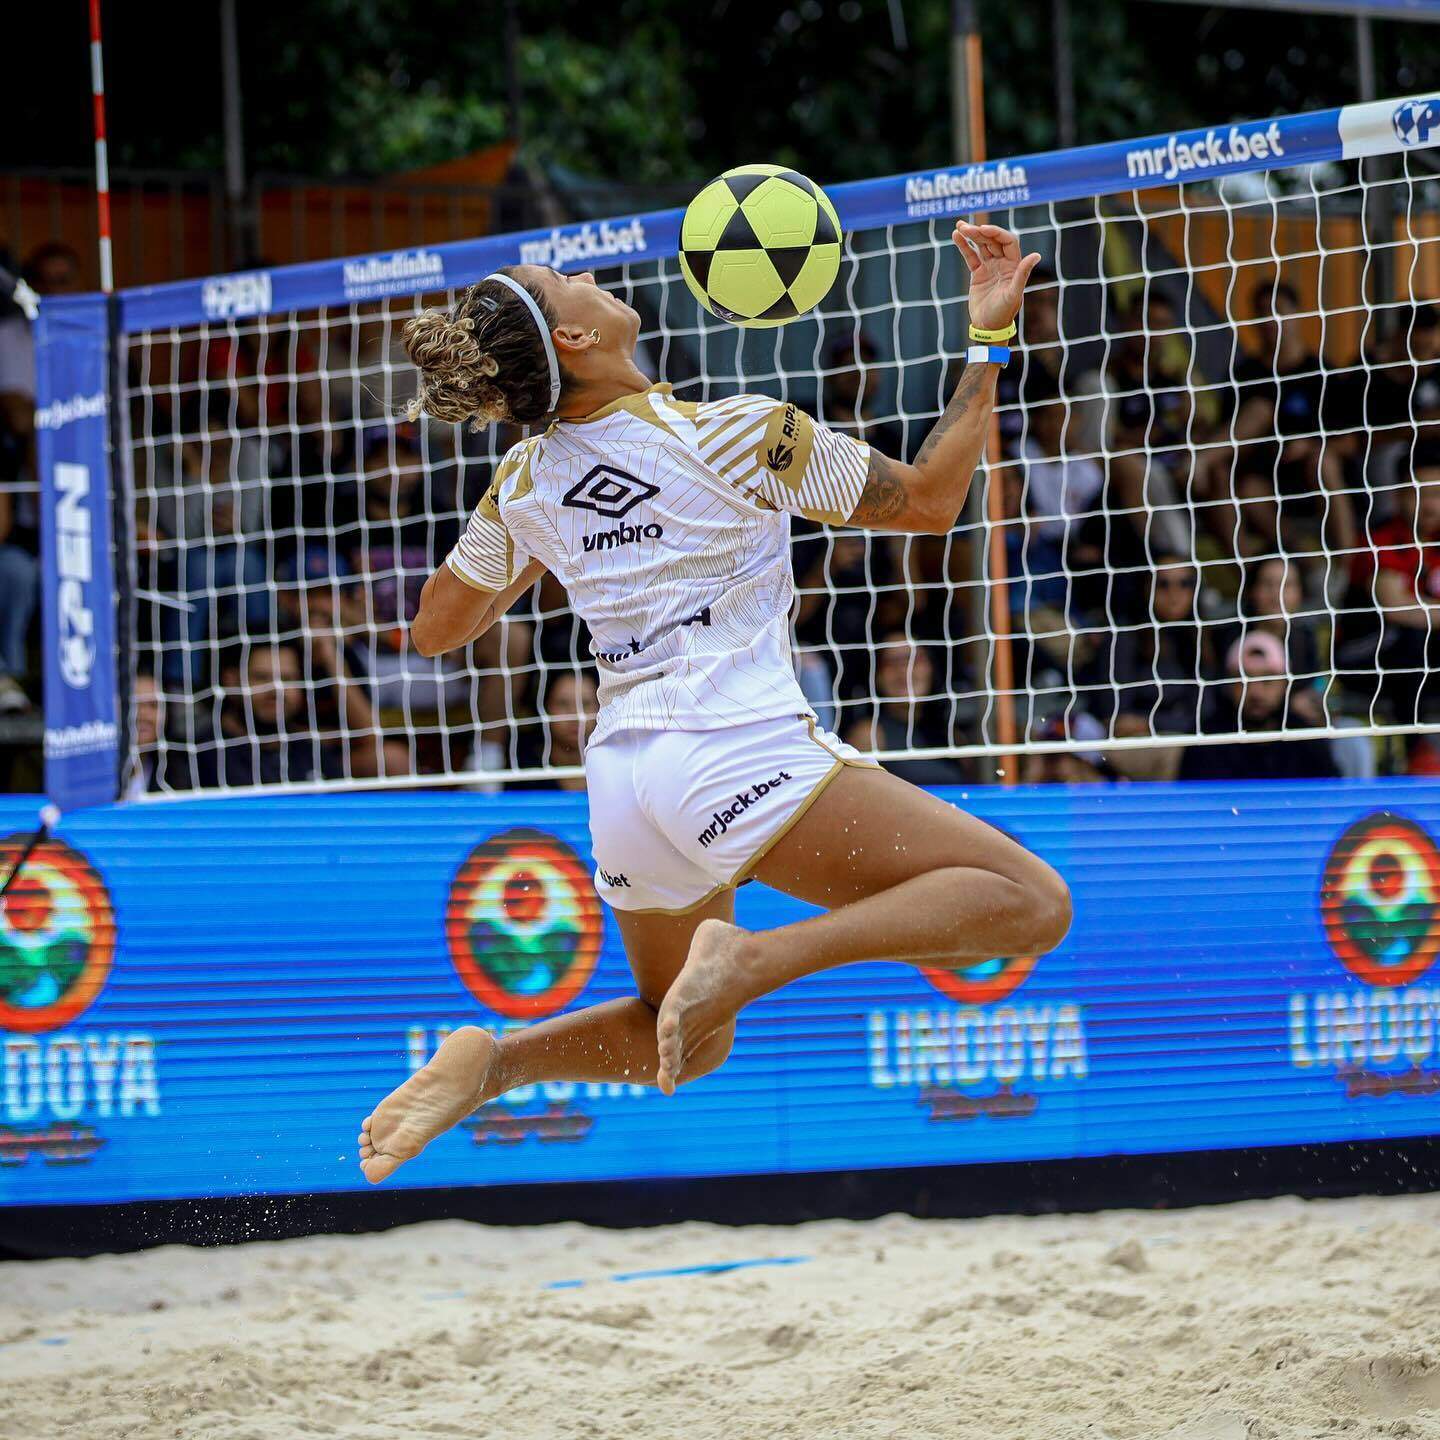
482,361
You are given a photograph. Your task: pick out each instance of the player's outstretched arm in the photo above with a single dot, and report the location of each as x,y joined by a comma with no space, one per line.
927,496
453,613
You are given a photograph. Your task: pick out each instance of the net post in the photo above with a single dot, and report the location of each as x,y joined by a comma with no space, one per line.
988,570
1365,56
1378,203
967,100
121,547
1002,668
1064,73
240,217
102,157
122,542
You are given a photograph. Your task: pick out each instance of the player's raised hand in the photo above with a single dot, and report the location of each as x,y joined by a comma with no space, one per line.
997,272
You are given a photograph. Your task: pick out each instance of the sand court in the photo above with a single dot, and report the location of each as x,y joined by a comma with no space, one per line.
1268,1320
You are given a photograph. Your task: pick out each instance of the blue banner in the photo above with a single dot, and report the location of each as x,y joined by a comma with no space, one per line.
204,998
76,556
1378,127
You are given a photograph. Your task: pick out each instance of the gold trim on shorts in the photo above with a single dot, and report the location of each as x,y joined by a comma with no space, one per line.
821,785
694,905
860,763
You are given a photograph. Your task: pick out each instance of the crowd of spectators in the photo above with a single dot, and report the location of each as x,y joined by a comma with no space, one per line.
1244,538
1255,549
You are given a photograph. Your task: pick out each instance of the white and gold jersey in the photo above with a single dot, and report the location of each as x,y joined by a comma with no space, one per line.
668,522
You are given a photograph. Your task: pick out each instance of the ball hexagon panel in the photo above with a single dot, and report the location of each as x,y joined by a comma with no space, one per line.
744,283
708,214
781,215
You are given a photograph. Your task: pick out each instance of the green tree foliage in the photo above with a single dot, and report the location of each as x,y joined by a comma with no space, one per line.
386,85
647,93
654,93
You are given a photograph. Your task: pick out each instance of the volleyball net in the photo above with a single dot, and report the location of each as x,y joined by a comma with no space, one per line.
1210,512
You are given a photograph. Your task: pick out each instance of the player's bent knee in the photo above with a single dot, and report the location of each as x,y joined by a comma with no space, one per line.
1051,911
710,1054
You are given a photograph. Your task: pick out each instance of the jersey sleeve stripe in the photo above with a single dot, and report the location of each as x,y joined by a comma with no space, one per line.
715,436
736,448
456,568
841,465
734,405
484,556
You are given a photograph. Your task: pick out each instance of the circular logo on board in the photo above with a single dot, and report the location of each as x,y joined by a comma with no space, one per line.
982,982
57,936
524,924
1380,900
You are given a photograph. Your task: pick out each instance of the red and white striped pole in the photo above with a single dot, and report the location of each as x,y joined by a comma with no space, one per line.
102,159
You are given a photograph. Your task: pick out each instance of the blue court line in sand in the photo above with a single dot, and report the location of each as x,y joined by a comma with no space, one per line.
719,1267
58,1339
722,1267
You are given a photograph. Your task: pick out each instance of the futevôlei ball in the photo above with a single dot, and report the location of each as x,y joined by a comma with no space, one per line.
760,245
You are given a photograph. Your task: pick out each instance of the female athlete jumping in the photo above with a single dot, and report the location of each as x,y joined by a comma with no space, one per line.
668,523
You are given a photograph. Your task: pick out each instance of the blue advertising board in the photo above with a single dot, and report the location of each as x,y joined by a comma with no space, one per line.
204,998
77,562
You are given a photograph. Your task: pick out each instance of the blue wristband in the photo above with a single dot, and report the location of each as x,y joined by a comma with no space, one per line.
987,355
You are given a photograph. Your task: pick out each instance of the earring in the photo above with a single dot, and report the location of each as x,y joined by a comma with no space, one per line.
595,336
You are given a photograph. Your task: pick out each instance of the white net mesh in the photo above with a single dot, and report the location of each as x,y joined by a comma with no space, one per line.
1215,514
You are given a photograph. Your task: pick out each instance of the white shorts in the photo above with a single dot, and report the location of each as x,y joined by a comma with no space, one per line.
679,815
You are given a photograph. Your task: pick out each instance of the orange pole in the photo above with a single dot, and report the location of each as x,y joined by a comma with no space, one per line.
975,73
1003,670
1003,662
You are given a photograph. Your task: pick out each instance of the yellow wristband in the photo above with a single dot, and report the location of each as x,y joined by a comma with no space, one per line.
992,337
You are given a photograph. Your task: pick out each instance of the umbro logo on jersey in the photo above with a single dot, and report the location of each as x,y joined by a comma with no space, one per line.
721,820
621,535
609,492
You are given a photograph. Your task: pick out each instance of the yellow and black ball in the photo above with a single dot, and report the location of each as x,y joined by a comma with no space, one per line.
760,245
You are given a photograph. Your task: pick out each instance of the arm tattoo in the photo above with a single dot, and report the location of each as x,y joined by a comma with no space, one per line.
883,497
886,496
970,382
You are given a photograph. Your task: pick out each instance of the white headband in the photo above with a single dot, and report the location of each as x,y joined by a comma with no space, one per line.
551,358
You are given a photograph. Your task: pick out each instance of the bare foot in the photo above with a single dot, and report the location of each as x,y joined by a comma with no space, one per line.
708,991
429,1103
